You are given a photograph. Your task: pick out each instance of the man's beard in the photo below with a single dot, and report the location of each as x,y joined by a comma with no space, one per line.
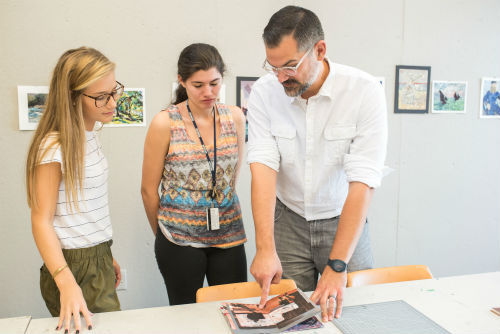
296,87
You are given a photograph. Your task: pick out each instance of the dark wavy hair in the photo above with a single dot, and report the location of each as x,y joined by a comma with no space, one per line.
195,57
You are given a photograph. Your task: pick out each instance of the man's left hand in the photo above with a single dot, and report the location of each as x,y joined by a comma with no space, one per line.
329,293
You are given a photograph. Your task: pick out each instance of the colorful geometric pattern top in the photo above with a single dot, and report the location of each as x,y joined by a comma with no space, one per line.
187,181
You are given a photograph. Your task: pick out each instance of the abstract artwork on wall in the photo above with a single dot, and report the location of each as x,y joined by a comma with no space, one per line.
130,109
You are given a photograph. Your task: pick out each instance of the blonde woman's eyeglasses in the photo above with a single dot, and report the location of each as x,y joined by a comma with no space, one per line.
103,99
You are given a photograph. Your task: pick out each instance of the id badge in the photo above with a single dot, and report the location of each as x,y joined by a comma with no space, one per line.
213,219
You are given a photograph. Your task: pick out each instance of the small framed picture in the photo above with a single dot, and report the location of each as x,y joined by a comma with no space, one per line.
449,97
243,89
220,99
412,89
130,109
31,104
490,98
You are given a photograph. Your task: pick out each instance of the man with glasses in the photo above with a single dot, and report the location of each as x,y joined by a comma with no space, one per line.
317,143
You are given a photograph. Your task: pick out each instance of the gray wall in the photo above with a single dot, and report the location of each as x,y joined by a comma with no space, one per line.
440,207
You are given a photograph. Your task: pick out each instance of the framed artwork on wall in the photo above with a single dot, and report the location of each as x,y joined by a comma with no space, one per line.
31,105
412,89
130,109
243,89
449,97
489,106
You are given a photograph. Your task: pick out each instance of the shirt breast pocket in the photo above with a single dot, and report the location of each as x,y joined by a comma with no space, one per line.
285,137
337,142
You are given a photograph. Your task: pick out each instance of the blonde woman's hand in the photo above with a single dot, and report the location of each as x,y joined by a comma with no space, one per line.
118,273
72,304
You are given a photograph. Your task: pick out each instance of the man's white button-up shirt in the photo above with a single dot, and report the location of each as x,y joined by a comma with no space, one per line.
319,145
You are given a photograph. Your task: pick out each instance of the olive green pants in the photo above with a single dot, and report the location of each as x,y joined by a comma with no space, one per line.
94,273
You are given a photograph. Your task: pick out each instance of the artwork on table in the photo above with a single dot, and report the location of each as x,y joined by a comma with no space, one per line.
412,89
381,80
490,98
130,109
243,89
449,97
220,99
31,104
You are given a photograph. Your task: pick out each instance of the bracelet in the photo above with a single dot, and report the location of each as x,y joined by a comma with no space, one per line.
59,270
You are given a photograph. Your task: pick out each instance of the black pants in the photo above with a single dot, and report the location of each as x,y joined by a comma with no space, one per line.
184,267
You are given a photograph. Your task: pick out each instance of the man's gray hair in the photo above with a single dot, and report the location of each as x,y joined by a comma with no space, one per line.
302,23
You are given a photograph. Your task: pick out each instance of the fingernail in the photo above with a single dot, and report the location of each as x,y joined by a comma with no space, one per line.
90,327
77,331
66,331
57,328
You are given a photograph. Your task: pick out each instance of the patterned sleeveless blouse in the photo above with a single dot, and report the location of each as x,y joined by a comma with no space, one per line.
186,185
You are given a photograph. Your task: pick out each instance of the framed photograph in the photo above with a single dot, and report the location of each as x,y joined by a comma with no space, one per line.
412,89
490,98
449,97
130,109
220,99
243,89
31,104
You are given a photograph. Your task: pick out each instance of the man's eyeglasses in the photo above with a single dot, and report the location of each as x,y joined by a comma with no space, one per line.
102,100
289,71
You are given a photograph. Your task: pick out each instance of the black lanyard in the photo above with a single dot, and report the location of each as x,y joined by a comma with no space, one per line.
212,170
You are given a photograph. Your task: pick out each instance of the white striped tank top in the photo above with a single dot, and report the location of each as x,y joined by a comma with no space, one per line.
92,225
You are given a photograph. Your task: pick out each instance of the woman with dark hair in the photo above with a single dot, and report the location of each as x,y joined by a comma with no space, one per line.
194,148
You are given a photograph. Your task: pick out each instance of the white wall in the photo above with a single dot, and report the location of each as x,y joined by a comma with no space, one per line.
440,207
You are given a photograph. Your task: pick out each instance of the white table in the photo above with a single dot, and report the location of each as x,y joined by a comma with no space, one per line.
460,304
16,325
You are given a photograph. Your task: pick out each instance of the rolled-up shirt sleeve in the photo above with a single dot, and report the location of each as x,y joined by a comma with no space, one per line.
365,160
262,146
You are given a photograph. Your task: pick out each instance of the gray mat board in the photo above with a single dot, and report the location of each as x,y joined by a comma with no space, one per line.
386,318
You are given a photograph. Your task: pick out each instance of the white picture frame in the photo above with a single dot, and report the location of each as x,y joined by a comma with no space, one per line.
486,87
449,97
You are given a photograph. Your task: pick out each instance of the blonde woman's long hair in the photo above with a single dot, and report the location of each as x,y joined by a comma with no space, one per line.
76,70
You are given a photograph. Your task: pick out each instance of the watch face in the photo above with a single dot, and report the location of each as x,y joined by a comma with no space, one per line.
337,265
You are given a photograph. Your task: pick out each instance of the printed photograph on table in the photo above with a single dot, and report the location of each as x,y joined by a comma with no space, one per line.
412,89
278,314
130,109
243,89
490,98
449,97
220,99
31,104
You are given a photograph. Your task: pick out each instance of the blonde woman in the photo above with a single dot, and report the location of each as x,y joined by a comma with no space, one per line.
66,176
